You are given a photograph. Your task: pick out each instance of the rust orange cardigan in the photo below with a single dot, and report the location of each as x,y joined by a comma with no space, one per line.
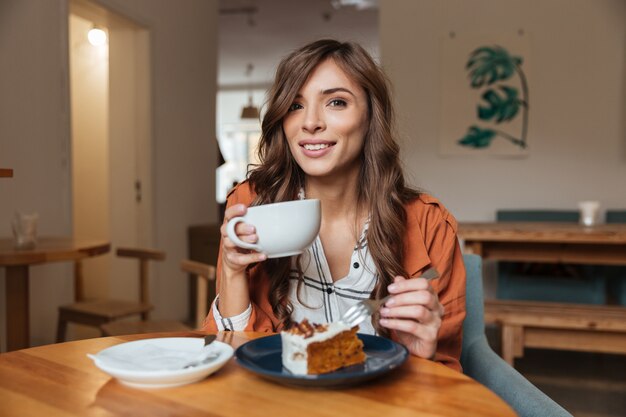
431,240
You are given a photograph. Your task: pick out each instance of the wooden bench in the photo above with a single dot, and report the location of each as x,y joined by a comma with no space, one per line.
590,328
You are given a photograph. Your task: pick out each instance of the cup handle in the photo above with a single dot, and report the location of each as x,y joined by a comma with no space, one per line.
232,235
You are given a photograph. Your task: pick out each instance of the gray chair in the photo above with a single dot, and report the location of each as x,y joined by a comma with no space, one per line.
481,363
616,216
616,275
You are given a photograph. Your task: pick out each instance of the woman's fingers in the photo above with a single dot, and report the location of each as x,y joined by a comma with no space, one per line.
415,312
235,211
402,284
233,255
421,297
244,231
413,299
243,259
427,334
229,244
415,291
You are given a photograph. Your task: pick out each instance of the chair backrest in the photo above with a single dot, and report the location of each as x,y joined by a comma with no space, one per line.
616,216
204,273
474,324
143,255
616,275
565,216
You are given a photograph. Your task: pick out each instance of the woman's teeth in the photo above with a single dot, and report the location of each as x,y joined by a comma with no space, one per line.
316,147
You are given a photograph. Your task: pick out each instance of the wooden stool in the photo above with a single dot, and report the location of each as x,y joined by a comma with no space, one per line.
121,327
204,273
98,312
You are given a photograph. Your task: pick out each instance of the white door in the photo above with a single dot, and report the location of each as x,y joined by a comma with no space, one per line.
129,138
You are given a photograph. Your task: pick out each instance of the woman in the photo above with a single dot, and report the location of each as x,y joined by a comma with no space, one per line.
328,134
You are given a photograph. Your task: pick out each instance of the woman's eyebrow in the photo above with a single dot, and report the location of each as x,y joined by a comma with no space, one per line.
337,89
331,91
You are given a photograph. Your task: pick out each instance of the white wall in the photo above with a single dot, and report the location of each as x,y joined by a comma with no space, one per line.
34,136
34,141
577,132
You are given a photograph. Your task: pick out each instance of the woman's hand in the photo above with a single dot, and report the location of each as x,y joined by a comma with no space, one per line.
235,259
234,297
414,313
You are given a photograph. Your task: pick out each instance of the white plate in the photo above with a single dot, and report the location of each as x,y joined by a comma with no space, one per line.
164,378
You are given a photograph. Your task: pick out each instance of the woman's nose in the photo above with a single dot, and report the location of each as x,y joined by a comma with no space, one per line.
313,120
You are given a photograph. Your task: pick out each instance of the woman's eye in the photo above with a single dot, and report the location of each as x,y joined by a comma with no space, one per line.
294,106
338,103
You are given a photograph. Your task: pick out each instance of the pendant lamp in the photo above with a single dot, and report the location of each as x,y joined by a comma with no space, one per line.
250,111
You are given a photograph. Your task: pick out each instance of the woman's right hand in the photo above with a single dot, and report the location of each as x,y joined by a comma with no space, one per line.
235,259
234,297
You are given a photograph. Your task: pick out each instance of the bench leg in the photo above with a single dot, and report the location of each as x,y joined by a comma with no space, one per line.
512,343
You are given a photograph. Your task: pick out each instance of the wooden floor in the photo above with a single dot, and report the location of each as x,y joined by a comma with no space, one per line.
585,384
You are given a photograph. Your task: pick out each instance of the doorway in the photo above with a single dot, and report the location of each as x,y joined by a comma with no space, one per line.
111,143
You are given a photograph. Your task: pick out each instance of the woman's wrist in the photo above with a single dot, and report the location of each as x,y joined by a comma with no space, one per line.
233,291
229,274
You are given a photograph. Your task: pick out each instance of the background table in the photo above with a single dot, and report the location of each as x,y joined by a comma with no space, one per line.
17,263
566,326
546,242
60,380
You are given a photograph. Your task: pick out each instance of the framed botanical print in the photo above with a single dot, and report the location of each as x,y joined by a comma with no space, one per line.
485,95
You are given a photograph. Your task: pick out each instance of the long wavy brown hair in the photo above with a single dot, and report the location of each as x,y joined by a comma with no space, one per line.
279,178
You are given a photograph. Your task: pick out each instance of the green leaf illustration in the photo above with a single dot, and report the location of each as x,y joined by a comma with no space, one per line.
503,107
487,65
477,137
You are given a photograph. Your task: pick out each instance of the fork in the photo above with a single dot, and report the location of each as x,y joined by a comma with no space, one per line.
365,308
203,357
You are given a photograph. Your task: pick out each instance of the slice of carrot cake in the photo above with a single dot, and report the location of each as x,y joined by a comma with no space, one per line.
310,348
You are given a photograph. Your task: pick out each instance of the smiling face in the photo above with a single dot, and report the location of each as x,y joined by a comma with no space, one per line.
326,124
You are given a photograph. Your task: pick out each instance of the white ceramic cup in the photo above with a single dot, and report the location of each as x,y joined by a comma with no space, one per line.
283,229
589,212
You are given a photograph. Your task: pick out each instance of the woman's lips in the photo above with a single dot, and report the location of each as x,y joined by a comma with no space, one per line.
316,146
316,149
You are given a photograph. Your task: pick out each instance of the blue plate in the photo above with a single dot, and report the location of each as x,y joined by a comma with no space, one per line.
263,357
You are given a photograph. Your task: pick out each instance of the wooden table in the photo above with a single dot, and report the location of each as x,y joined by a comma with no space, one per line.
546,242
17,263
552,325
6,172
60,380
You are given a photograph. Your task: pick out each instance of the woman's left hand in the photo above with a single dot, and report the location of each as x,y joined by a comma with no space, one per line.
414,313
